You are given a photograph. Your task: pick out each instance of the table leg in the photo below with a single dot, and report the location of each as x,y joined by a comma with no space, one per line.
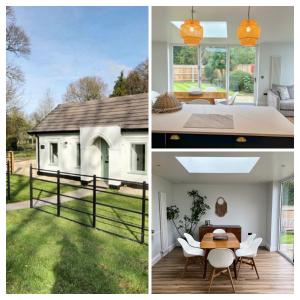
212,101
205,263
234,266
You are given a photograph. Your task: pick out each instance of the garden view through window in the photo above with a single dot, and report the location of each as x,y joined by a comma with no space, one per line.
215,68
286,240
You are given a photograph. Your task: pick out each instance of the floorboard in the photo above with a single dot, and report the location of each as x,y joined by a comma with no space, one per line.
276,276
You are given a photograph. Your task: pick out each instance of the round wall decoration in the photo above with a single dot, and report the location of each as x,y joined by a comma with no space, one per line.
221,207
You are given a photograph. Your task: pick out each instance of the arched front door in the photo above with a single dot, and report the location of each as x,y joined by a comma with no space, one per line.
104,158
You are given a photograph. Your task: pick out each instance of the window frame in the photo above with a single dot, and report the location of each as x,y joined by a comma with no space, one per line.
51,153
131,158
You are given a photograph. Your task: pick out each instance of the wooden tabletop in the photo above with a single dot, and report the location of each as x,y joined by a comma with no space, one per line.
248,120
204,95
209,243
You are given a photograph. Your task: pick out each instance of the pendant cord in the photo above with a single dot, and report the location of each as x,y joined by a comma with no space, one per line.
192,12
248,13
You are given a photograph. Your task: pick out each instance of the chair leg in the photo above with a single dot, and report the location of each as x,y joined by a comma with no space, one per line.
253,262
211,278
231,279
185,266
238,272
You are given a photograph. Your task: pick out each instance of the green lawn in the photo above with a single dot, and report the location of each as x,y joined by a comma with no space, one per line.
26,154
287,238
47,254
184,86
19,186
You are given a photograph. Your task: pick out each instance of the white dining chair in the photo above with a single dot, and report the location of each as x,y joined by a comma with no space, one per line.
219,231
249,239
190,253
246,255
191,240
220,260
230,100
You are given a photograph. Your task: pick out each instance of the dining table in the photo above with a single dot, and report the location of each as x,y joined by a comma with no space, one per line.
209,96
208,243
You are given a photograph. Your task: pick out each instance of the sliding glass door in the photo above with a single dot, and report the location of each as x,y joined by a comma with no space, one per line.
215,68
286,230
185,68
242,73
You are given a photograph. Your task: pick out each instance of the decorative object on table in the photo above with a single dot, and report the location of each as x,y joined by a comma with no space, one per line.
166,103
210,121
248,32
195,91
188,224
191,31
207,222
220,236
221,207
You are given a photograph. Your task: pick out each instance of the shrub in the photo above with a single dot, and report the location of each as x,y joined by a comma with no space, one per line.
241,81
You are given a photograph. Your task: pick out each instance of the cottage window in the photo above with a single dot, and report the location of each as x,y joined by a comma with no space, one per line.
138,157
78,157
54,153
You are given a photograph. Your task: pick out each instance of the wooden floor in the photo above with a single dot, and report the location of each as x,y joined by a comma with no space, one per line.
276,276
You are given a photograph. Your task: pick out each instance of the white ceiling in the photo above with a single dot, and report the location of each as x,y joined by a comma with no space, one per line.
277,23
271,166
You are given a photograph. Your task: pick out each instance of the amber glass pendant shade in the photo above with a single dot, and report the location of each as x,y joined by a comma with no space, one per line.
192,32
248,32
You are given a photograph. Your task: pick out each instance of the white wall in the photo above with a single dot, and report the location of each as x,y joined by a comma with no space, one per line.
273,215
246,204
266,51
66,152
160,185
119,152
160,70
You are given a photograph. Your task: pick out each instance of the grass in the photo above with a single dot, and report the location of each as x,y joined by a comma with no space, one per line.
47,254
19,185
287,238
184,86
26,154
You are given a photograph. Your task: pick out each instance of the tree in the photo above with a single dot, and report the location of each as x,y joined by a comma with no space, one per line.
135,83
120,86
188,224
185,55
18,44
17,41
85,89
46,105
17,126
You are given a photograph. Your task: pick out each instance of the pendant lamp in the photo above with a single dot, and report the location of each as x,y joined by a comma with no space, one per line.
191,31
248,32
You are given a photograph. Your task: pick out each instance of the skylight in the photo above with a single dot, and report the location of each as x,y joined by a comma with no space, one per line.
213,165
211,29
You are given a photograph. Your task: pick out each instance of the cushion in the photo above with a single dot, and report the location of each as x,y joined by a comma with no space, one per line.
289,87
283,93
287,104
291,91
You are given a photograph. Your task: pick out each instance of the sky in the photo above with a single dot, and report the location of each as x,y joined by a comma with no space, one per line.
71,42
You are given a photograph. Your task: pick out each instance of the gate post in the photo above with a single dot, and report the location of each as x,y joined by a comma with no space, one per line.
30,187
58,193
143,213
8,181
94,201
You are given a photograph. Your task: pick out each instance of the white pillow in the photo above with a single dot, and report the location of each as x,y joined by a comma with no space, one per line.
283,93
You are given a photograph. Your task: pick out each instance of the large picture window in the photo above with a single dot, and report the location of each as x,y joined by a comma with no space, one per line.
215,68
138,157
54,154
286,230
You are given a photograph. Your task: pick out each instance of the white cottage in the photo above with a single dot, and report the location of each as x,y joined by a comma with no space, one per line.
107,138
